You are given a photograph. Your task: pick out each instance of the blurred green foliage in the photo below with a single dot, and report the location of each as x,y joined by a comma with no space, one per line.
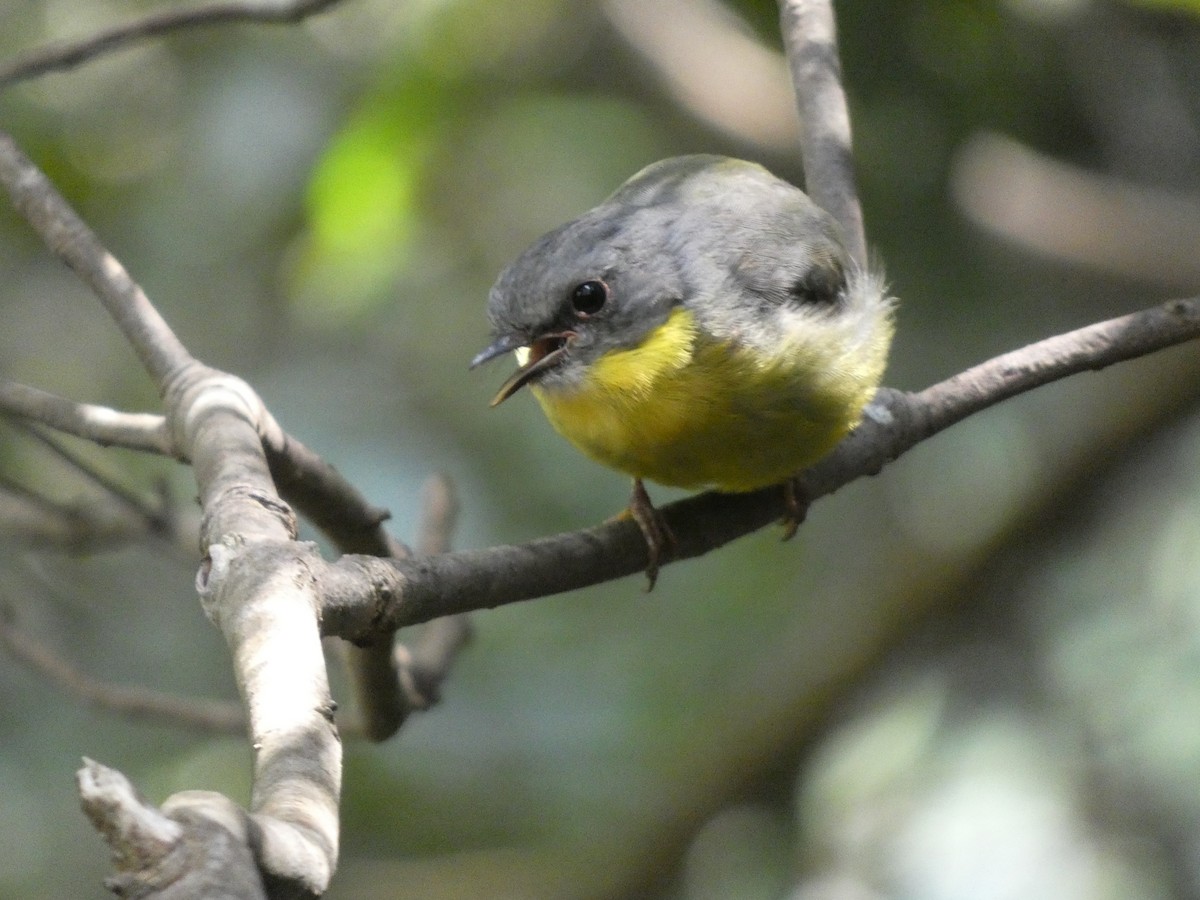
973,676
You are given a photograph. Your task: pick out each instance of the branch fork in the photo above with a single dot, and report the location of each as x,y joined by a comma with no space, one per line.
274,598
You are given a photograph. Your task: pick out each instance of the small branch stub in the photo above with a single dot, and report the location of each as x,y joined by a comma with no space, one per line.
197,845
140,835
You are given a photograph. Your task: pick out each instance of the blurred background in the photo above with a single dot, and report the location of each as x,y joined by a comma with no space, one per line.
976,675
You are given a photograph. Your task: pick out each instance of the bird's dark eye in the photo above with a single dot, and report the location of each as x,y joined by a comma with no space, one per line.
588,298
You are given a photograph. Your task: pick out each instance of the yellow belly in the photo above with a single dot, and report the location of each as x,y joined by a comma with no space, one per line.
684,410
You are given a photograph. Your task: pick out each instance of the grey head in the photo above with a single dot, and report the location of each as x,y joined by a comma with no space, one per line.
722,236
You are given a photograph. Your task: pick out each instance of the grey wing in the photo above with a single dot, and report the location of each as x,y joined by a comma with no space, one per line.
791,255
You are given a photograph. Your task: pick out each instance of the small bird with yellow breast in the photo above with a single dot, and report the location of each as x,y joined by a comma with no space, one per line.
701,328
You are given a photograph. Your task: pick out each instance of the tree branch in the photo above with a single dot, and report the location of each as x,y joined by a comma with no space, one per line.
74,243
197,845
810,38
352,523
425,665
271,595
134,702
267,613
156,517
107,427
391,680
405,592
323,496
257,589
67,54
32,518
120,515
340,511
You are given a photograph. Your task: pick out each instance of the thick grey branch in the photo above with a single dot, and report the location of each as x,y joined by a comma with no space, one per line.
256,586
197,845
268,614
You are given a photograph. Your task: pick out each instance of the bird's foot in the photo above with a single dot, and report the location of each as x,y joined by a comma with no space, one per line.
655,530
795,505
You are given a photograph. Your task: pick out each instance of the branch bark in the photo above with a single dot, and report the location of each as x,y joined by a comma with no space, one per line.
99,424
268,614
810,38
404,592
273,596
197,845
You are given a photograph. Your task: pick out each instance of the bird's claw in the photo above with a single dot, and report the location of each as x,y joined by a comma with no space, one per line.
654,529
795,505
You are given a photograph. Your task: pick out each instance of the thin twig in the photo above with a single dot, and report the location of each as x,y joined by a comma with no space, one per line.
67,54
439,515
32,497
31,518
104,426
76,244
157,520
326,497
134,702
1087,349
810,38
424,666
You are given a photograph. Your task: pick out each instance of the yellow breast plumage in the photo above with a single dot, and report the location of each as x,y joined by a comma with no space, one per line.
690,410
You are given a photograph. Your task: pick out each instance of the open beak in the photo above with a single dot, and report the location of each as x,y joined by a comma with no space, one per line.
540,355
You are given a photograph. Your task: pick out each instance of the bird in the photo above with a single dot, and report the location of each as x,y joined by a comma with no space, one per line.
702,328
